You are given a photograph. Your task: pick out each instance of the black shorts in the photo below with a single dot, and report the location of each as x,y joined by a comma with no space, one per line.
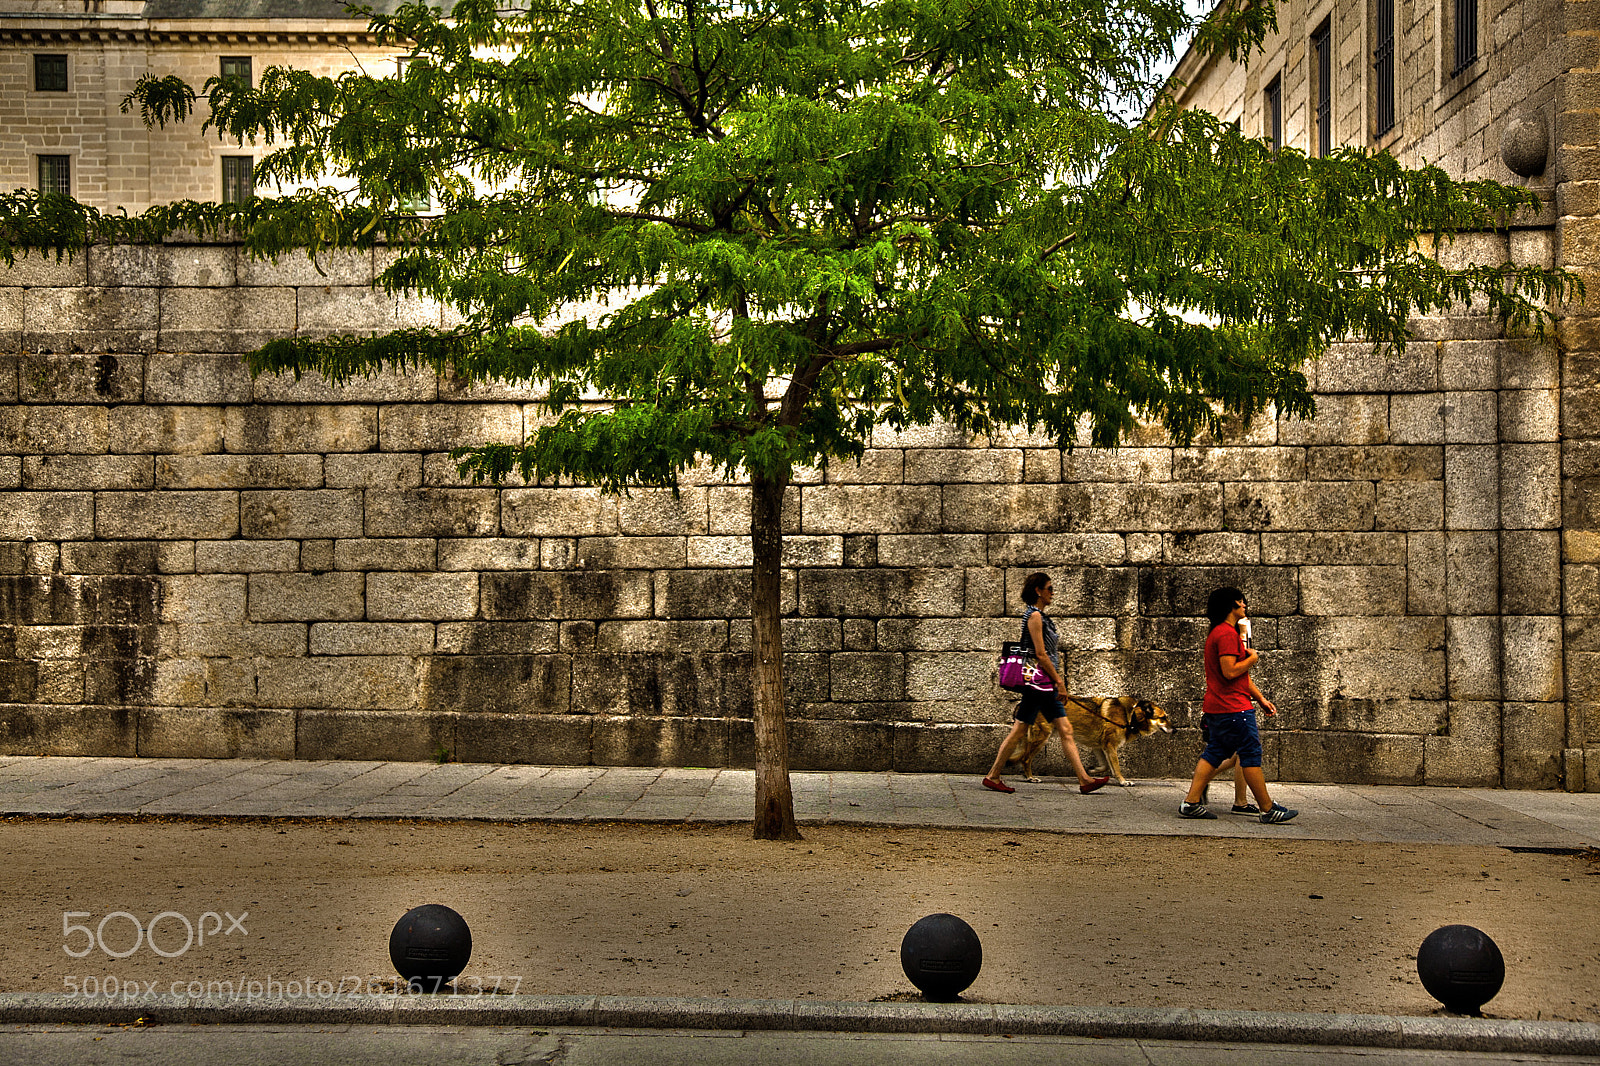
1034,703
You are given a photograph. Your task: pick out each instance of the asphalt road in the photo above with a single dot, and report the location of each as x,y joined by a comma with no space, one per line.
205,1045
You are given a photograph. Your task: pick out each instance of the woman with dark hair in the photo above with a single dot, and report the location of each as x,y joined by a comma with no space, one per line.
1039,695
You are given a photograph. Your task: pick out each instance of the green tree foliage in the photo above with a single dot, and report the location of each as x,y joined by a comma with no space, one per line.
810,218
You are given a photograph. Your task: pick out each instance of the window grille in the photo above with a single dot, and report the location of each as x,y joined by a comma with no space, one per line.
50,73
55,174
1272,113
237,68
238,178
1383,67
1322,51
1466,13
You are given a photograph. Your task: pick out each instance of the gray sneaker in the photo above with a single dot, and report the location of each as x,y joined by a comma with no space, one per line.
1195,810
1278,813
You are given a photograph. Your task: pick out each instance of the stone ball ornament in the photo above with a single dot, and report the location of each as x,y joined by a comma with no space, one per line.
1525,144
430,946
1461,967
942,955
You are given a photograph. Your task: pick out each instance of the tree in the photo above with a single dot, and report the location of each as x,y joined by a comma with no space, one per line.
814,217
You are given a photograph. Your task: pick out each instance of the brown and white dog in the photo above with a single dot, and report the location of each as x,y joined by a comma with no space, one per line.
1099,723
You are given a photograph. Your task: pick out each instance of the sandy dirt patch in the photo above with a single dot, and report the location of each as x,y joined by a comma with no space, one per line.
707,911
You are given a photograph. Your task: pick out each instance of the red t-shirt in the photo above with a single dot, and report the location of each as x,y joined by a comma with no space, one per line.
1224,696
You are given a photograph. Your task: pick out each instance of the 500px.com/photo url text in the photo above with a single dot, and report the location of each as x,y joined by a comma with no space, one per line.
111,987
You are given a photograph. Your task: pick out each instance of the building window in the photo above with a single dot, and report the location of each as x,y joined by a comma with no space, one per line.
238,178
1383,67
55,174
416,205
50,74
1322,60
1466,20
1272,113
237,68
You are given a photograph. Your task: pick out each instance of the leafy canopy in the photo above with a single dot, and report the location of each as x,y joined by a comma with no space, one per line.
804,218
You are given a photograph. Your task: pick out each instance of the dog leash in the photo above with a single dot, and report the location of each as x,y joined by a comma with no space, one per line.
1099,712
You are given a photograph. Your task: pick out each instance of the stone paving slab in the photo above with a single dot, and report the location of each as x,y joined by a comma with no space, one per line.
261,788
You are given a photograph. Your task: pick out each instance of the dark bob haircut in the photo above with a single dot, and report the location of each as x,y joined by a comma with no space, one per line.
1035,582
1220,604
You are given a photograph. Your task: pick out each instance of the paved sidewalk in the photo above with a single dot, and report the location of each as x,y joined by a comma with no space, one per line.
263,788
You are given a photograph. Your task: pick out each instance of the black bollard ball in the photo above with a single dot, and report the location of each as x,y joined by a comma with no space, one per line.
941,955
430,945
1461,967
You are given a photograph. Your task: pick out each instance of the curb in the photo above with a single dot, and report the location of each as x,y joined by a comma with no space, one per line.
639,1012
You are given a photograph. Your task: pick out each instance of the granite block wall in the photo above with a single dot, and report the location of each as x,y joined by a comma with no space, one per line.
197,563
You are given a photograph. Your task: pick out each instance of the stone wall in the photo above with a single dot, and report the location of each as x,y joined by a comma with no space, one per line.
195,563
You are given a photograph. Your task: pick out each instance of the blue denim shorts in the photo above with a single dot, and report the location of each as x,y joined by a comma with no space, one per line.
1232,734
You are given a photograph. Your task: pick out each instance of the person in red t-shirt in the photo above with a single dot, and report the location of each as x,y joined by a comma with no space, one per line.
1230,711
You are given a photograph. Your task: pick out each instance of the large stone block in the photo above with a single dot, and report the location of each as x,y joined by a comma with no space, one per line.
1471,418
1469,754
835,745
304,513
390,385
1471,487
1144,465
1294,549
1472,573
877,466
70,731
89,320
309,428
1182,591
72,379
501,684
1343,590
165,430
487,553
655,684
414,596
215,733
985,466
54,430
1469,365
237,471
373,471
433,513
1377,463
1530,486
977,634
1473,658
714,593
47,515
1142,508
441,427
385,736
72,599
1410,505
1350,757
1359,368
1530,658
1352,419
1339,633
164,515
1239,464
881,593
245,556
112,557
1530,572
557,512
1039,549
661,742
728,511
630,553
943,749
1532,415
593,595
662,636
495,638
387,553
799,634
203,598
233,640
868,676
1532,736
162,265
826,509
945,676
1426,574
330,597
660,513
1416,418
1015,508
541,739
224,319
332,310
1331,505
325,268
346,682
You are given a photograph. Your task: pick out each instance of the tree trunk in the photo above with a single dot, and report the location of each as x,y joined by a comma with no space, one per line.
774,800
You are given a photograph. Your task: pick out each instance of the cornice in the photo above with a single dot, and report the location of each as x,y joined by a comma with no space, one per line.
142,32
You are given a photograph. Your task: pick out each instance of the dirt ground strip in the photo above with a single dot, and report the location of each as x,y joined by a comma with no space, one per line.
707,911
